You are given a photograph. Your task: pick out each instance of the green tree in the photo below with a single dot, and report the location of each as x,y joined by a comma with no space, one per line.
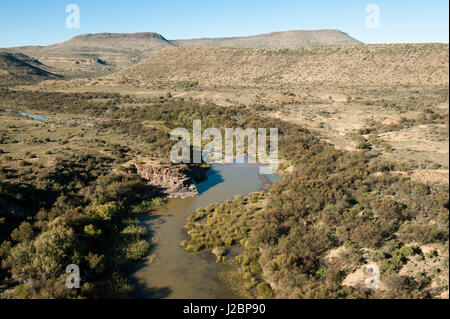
108,211
53,250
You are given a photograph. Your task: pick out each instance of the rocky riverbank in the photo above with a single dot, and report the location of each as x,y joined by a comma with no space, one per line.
171,180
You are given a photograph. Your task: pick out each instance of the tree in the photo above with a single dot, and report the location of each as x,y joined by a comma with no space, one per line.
108,211
23,232
53,251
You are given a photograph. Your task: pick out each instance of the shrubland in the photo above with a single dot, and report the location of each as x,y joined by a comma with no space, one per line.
78,209
76,213
333,200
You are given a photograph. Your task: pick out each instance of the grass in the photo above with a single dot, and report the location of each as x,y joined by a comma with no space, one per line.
147,205
27,143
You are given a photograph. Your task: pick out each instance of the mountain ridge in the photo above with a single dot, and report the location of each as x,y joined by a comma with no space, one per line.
107,35
341,38
107,52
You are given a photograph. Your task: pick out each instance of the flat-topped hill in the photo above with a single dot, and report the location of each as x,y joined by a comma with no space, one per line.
106,52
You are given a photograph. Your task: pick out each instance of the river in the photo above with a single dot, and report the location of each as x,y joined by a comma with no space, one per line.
172,272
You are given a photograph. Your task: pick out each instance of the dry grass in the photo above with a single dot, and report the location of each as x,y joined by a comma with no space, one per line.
361,64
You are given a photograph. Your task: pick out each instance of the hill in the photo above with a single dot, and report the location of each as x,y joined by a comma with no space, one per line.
21,69
106,52
277,40
100,52
361,64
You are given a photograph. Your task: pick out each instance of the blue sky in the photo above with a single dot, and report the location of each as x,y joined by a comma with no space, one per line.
31,22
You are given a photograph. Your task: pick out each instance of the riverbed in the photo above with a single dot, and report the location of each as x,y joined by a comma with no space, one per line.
172,272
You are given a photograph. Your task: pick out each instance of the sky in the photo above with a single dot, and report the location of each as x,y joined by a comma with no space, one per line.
43,22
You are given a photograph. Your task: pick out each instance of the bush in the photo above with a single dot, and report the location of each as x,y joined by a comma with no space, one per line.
431,254
406,251
92,231
22,292
146,205
46,257
24,232
109,210
415,232
134,230
363,144
264,290
24,163
136,250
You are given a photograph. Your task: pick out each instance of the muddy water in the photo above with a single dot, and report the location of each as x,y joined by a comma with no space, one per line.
171,272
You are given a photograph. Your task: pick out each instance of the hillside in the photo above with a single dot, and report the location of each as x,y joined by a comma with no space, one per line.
100,52
106,52
21,69
362,64
277,40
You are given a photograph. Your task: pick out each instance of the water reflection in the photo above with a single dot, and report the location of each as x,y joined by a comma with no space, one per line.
35,117
174,273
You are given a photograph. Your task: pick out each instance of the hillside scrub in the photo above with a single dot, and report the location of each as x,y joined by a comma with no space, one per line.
240,67
79,214
82,210
332,200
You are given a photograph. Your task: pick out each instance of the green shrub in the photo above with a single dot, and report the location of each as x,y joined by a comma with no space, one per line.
136,250
109,210
431,254
146,205
91,230
23,291
264,290
406,251
363,144
134,230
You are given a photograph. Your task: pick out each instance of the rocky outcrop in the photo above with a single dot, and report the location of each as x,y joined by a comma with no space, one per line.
173,182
